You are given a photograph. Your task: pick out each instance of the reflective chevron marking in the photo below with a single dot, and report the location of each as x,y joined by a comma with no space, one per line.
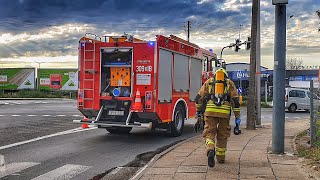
12,168
65,172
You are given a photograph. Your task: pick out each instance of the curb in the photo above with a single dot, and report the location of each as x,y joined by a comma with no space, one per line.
294,145
142,171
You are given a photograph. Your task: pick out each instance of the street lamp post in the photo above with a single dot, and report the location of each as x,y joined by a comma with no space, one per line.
289,18
240,31
37,76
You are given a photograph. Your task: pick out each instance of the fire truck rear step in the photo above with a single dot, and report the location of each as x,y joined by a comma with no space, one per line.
115,124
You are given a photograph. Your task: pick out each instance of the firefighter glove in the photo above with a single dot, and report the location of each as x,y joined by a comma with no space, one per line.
198,114
199,125
238,121
237,129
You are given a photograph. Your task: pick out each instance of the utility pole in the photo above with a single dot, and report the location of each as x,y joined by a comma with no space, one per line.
318,14
278,117
258,71
251,114
188,31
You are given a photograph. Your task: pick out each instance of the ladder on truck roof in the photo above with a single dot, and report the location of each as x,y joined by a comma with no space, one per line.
89,68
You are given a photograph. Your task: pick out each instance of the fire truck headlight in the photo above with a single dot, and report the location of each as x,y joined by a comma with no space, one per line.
126,103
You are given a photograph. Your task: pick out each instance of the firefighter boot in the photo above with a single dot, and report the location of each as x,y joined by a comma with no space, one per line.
221,159
211,155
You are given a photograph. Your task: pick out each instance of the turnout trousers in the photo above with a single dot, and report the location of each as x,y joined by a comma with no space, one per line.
216,132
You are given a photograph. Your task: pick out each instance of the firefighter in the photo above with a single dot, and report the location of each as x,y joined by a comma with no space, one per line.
219,95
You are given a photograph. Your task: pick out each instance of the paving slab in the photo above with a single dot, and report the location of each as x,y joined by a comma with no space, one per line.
248,157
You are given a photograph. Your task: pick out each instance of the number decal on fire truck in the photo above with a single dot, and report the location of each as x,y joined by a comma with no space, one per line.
144,68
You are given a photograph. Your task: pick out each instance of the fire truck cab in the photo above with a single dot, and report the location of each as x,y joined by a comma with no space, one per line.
125,82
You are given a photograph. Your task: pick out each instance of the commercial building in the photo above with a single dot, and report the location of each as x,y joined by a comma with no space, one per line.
239,73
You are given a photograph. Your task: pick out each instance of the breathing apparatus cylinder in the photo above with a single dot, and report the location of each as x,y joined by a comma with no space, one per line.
219,86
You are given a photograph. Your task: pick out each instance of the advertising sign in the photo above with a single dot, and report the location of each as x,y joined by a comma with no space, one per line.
58,79
17,78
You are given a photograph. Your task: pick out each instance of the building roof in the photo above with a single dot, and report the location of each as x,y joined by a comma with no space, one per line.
241,66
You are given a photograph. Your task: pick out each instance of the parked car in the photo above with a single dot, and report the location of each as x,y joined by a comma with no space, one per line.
299,99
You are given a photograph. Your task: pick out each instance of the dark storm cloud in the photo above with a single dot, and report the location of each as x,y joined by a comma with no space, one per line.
30,15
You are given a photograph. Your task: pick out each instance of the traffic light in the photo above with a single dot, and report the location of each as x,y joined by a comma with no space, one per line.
248,44
237,45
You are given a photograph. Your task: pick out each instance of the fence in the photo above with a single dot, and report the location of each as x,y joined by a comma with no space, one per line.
314,113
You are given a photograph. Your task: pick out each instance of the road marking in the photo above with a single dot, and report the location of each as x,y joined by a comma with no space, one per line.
31,115
15,115
46,115
15,167
1,160
6,103
67,171
76,115
61,115
1,115
45,137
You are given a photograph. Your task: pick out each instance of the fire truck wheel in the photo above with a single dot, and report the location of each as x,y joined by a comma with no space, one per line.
178,121
119,130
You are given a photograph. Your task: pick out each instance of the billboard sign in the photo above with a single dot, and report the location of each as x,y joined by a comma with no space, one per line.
58,79
17,78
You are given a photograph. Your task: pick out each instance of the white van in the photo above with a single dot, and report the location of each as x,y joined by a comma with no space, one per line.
298,99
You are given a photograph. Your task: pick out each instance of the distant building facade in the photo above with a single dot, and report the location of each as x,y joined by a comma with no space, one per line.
239,73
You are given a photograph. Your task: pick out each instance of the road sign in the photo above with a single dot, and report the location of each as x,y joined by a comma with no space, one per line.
240,90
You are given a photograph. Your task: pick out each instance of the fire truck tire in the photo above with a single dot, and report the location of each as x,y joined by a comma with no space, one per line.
119,130
178,121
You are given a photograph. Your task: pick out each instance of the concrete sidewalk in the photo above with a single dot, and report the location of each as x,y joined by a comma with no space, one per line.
248,157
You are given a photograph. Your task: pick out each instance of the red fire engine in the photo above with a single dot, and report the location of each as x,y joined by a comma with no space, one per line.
125,82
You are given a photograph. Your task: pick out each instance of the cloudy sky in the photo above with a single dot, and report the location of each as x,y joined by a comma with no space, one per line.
48,31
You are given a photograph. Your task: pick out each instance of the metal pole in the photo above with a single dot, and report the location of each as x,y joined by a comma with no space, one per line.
221,52
251,114
258,73
266,91
312,128
188,31
278,118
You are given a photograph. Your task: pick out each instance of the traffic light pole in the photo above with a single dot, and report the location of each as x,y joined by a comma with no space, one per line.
278,118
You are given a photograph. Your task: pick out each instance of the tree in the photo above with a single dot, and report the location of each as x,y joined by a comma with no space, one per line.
294,64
